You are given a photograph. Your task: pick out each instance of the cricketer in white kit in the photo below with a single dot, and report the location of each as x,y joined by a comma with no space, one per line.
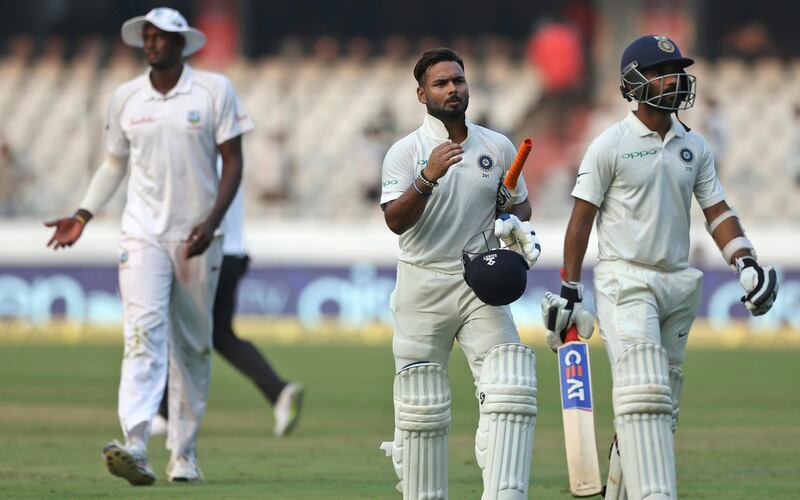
440,186
168,126
639,176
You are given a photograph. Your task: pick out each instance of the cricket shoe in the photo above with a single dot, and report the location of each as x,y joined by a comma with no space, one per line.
184,469
287,409
128,463
158,426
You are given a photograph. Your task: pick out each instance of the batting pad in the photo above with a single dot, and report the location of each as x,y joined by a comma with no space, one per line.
615,486
643,420
422,421
504,440
675,385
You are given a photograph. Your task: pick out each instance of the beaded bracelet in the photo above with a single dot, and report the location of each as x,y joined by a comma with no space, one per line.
425,181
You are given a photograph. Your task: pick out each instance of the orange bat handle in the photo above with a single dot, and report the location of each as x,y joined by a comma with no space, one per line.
571,335
524,150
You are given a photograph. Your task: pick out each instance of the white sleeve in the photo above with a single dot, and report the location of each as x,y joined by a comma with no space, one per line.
231,118
104,183
595,174
116,141
398,171
707,188
508,154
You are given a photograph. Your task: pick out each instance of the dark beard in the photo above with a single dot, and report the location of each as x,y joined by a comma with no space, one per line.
447,115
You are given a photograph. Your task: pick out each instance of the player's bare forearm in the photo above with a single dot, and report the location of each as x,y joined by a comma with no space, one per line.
401,214
522,210
232,164
203,234
577,238
727,230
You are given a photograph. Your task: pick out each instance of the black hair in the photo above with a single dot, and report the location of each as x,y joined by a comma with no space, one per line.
431,57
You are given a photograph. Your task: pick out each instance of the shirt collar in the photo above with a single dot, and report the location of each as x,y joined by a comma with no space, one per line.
434,127
675,129
184,85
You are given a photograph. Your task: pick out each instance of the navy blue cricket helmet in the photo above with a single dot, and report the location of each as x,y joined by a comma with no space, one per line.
497,275
647,52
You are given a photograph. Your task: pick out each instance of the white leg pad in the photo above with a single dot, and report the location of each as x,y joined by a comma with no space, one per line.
643,419
422,422
615,487
675,385
504,441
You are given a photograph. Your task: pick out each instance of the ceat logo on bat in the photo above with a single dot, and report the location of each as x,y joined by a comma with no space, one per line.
576,389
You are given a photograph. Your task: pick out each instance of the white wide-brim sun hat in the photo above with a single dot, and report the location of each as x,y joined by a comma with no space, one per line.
165,19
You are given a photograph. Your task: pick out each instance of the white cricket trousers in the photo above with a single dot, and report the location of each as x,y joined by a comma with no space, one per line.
637,303
167,306
432,309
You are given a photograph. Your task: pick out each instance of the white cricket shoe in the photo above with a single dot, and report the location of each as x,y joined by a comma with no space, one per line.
287,409
184,469
129,463
158,426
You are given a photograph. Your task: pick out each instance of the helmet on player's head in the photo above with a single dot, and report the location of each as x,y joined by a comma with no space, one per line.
498,275
647,52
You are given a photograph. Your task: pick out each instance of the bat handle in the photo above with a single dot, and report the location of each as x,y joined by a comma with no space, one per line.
571,335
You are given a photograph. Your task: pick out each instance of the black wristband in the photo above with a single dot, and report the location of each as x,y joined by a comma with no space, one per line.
571,292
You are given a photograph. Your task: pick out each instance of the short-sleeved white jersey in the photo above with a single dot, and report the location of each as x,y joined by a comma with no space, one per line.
171,141
464,202
643,187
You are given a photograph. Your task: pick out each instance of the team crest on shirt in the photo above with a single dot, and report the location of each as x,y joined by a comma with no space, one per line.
193,117
665,44
686,155
485,162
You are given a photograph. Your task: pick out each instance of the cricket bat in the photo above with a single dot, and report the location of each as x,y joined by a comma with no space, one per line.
578,415
505,193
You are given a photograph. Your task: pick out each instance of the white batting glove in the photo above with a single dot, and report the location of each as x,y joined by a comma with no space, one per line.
760,285
512,231
559,313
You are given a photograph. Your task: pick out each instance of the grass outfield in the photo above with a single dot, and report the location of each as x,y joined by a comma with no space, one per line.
739,435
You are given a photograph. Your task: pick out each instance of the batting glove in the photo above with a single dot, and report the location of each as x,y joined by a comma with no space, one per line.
760,285
513,232
505,198
560,313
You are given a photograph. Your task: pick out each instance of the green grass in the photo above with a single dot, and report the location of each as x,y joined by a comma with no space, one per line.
739,435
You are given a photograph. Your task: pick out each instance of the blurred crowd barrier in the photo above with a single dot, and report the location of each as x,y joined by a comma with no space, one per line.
305,276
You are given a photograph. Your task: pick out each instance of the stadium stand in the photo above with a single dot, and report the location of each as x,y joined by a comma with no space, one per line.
325,119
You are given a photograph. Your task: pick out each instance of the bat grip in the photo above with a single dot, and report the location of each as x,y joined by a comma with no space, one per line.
572,332
571,335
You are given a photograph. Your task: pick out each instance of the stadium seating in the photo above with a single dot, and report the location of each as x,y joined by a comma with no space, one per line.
326,120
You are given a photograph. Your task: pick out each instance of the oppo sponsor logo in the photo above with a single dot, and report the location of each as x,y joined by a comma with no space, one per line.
640,154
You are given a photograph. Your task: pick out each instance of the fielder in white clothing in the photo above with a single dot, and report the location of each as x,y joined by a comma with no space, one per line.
639,177
168,125
440,187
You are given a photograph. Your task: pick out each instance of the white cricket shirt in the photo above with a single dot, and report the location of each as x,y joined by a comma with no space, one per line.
643,187
464,202
171,141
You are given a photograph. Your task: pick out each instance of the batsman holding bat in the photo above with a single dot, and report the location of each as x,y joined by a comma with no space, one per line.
440,188
640,175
